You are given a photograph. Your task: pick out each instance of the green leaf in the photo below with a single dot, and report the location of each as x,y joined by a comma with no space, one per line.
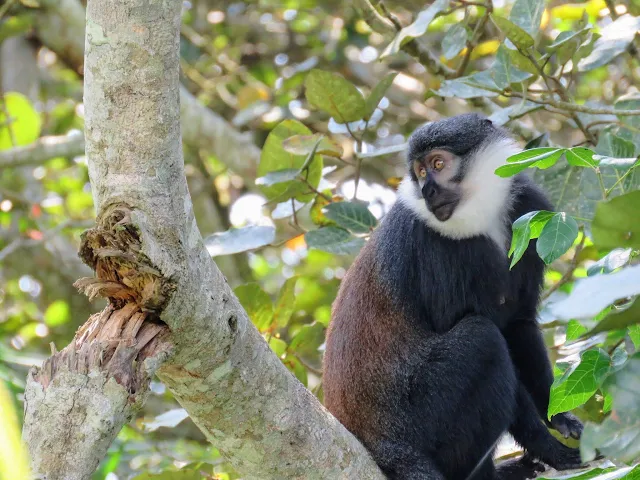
630,101
525,228
275,158
57,313
278,346
236,240
372,101
279,176
333,240
527,14
303,145
504,72
286,303
417,28
556,237
352,216
335,95
618,437
581,157
581,384
308,339
22,126
257,304
513,32
634,335
539,141
612,145
454,41
184,474
615,39
522,62
536,157
575,330
616,222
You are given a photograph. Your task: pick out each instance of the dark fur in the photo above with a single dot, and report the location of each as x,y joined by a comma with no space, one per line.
433,351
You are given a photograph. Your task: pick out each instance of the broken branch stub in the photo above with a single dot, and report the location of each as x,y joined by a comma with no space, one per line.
84,394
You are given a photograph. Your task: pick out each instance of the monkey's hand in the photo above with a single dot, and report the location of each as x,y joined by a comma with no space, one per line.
567,424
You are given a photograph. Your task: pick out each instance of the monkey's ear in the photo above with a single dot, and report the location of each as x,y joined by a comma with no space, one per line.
488,122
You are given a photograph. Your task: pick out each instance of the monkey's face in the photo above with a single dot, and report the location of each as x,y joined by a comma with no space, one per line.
437,175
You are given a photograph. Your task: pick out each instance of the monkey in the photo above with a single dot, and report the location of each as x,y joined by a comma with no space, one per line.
433,350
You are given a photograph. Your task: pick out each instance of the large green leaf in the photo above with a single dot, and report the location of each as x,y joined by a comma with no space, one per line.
274,158
335,95
256,303
616,223
333,240
544,157
556,237
454,40
504,72
580,384
377,94
525,228
615,39
417,28
459,88
527,14
236,240
581,157
23,125
513,32
304,145
352,216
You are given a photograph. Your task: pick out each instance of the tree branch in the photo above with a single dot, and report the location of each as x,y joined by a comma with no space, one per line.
43,149
170,307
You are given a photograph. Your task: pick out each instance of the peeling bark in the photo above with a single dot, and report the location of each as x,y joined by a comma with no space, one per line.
170,307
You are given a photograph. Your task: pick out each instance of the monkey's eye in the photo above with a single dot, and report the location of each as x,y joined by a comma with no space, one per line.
438,164
422,172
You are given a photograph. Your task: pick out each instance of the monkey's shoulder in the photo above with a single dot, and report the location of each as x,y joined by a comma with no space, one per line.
527,196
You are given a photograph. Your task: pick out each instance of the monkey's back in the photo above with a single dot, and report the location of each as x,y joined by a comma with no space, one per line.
369,351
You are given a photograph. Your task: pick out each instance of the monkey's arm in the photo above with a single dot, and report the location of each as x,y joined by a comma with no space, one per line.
523,335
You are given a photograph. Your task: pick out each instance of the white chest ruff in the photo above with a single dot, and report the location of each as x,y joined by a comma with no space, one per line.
486,198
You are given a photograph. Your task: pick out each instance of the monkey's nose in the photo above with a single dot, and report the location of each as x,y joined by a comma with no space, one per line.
430,190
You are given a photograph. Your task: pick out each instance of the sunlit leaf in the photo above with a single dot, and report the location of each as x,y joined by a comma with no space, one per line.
459,89
524,229
527,15
307,340
352,216
279,176
335,95
238,240
454,41
417,28
278,346
581,384
556,237
334,240
592,294
24,123
57,313
256,303
615,39
581,157
634,335
377,94
575,330
616,258
616,222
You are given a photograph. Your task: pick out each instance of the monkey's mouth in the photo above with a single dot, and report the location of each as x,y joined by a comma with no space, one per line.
443,211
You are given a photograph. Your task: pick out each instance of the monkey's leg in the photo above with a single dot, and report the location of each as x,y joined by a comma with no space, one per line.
532,434
401,462
467,393
530,358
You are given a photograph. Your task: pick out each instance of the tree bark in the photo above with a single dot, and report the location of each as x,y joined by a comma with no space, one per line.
170,309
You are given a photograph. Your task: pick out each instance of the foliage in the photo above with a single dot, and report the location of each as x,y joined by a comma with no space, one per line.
330,99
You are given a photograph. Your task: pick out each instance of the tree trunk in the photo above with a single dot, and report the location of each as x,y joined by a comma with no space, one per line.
170,309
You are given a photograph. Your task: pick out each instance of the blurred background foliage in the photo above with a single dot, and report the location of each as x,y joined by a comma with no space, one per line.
322,96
